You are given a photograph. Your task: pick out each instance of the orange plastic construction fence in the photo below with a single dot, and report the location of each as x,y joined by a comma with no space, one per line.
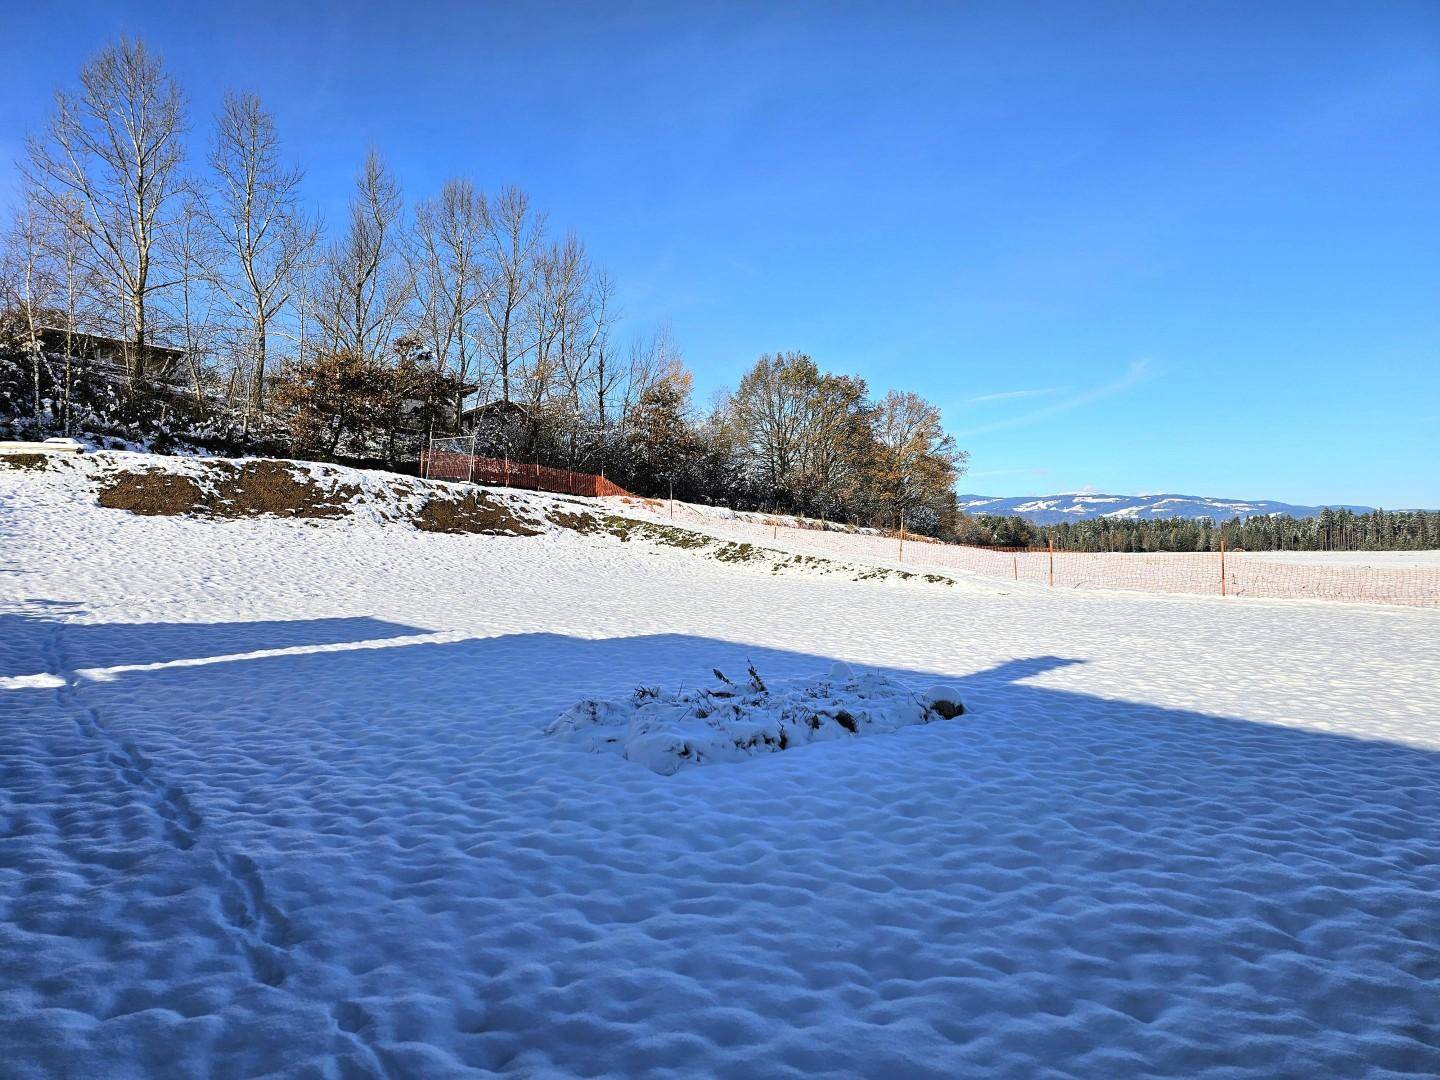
502,472
1359,577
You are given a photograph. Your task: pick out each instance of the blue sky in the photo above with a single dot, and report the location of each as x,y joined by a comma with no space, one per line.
1129,247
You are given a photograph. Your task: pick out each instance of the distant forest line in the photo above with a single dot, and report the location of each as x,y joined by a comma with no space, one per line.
1330,530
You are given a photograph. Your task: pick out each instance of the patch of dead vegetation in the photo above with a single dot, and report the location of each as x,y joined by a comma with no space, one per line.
27,462
472,512
729,551
580,522
251,488
228,489
152,493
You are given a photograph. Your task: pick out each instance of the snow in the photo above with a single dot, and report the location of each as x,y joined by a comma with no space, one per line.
284,805
1049,509
1380,560
728,721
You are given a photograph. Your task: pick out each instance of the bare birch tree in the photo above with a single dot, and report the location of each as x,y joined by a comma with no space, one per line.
25,291
364,284
116,149
254,210
194,250
451,279
514,233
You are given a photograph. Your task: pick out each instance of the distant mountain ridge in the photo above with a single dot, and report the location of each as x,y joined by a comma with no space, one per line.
1080,506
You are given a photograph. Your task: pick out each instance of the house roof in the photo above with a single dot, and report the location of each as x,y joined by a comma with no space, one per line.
57,331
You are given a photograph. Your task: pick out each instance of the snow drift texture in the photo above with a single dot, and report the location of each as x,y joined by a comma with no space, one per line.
666,731
276,801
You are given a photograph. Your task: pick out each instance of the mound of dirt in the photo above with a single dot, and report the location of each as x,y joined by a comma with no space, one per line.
152,493
472,512
229,490
276,487
35,462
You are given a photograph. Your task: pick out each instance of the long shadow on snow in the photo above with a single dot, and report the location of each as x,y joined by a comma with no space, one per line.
1229,850
23,635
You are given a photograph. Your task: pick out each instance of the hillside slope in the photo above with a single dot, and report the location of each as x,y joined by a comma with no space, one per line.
277,799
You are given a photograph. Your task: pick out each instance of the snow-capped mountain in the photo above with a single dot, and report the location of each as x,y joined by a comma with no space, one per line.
1050,509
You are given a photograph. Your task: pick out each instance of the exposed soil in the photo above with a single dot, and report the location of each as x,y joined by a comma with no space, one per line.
629,529
35,462
473,512
279,488
726,551
276,487
152,493
229,490
579,522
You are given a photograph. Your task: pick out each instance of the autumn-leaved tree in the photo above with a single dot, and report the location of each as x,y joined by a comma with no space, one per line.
330,400
915,464
661,440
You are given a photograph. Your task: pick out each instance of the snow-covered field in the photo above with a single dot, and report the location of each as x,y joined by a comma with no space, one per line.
1378,559
1405,578
276,798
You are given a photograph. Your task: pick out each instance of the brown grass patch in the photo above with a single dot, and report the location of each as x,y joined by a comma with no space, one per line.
473,512
580,522
29,462
153,493
275,487
248,489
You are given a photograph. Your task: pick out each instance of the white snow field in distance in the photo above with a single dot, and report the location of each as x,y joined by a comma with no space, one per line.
281,804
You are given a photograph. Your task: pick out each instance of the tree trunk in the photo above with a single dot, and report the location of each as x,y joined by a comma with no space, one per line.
259,369
137,362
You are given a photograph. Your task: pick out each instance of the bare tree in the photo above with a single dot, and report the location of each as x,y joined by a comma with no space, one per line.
450,275
513,236
25,291
115,149
195,251
254,210
364,286
650,359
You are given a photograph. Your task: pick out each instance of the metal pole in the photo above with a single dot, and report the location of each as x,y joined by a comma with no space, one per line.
1222,566
902,537
1052,562
507,468
1015,559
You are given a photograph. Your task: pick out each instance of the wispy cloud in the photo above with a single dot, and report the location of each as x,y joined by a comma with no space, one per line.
1136,372
1010,395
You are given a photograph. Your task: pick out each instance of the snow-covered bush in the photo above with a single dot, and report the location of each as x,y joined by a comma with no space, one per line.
729,721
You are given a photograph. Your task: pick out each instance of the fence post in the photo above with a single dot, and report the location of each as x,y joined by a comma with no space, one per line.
537,476
1222,566
902,537
507,468
1052,562
1015,559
